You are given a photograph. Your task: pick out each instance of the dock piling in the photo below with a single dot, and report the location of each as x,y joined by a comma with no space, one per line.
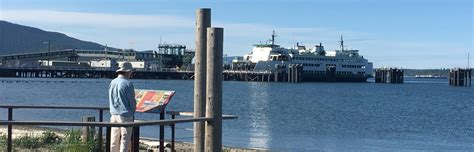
389,75
213,139
203,21
460,77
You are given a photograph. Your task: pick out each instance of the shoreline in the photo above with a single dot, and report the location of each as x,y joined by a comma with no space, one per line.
150,143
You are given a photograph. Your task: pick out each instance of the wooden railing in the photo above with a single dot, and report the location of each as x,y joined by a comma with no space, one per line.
135,125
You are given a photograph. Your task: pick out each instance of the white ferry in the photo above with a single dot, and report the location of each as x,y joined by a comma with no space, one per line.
344,65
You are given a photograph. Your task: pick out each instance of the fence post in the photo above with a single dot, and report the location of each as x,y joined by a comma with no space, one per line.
203,21
135,139
9,138
87,131
173,131
108,134
215,46
162,132
101,119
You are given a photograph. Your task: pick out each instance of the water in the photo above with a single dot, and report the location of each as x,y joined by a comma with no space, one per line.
418,115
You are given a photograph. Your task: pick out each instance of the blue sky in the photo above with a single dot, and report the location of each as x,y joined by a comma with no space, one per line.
401,33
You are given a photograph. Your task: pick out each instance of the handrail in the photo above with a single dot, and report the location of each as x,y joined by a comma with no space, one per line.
188,113
136,125
53,107
109,124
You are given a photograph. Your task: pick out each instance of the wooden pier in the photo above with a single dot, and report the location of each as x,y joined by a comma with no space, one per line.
280,75
90,73
460,77
389,75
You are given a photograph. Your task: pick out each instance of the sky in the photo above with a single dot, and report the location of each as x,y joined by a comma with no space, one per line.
390,33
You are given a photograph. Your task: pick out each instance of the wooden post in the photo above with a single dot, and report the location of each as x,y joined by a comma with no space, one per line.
450,77
108,134
101,119
173,132
9,131
290,71
470,76
215,47
135,139
87,131
162,131
203,21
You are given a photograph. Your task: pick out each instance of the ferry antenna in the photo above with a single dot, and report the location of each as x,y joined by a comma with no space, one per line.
342,43
273,38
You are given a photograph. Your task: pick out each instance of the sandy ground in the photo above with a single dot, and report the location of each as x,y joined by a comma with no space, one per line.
152,144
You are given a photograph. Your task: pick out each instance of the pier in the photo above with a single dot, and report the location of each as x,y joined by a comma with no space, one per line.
389,75
460,77
279,75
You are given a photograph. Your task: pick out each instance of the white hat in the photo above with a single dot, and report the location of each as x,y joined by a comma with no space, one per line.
125,67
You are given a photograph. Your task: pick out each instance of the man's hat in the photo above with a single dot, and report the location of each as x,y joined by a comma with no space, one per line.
125,67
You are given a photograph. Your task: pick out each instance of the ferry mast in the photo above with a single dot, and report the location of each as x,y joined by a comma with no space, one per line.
273,38
342,43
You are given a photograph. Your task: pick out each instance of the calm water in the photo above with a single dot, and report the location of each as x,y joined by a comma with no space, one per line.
418,115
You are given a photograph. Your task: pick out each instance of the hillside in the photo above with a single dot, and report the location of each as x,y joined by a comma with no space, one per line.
434,72
15,39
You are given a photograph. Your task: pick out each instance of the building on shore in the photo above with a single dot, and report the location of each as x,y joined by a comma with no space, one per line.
167,56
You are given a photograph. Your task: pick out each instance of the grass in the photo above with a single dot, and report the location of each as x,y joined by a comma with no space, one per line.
71,141
3,141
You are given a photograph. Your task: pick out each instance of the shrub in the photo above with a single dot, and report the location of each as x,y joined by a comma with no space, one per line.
49,139
3,141
27,141
72,142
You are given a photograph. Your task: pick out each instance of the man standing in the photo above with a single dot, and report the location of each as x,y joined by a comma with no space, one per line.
122,107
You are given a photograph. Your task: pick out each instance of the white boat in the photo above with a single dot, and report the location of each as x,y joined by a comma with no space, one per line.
344,65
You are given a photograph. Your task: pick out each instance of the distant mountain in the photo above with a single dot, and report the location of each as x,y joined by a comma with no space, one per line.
15,39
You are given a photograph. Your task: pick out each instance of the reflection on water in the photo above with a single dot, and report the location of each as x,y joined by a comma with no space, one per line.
287,117
258,109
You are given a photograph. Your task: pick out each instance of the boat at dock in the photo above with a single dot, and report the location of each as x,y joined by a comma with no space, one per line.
318,65
429,76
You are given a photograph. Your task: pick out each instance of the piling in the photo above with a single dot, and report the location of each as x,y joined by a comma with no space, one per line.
203,21
215,47
389,75
294,73
460,77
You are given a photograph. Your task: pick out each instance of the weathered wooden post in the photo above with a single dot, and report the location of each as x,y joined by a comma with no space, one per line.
215,47
88,132
203,21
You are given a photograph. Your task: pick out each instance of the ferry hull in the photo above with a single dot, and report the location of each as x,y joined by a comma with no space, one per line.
325,78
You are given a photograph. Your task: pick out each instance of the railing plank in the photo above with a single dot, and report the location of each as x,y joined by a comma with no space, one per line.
53,107
105,124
